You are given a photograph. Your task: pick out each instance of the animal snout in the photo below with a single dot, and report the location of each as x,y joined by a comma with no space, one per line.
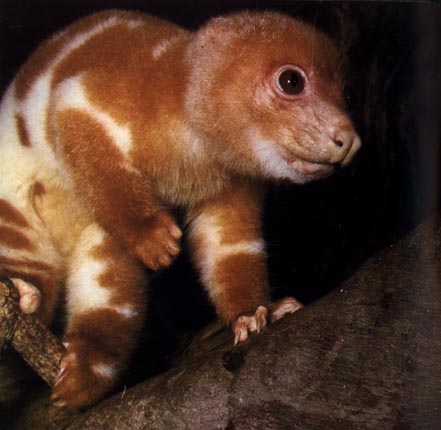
343,144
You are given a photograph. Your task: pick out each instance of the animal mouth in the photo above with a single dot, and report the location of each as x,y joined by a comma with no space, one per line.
312,169
304,166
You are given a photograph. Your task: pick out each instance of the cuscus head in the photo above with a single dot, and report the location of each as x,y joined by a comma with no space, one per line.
266,92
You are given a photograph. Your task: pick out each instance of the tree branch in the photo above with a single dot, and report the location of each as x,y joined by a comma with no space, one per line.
35,343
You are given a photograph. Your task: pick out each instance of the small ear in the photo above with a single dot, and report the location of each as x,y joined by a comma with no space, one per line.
221,29
218,25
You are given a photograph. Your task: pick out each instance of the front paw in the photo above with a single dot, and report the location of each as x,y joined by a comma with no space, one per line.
83,378
258,320
249,323
158,245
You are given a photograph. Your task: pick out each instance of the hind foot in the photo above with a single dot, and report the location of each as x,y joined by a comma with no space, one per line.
30,296
84,376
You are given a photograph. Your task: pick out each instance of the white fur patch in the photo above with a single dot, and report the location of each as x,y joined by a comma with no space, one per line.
207,230
134,23
34,113
81,38
273,164
194,147
21,166
18,163
105,370
84,292
244,247
35,106
70,94
160,48
125,311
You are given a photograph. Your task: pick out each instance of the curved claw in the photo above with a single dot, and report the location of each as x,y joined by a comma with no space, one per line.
249,323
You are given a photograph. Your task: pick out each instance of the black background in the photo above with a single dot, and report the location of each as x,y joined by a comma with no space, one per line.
317,234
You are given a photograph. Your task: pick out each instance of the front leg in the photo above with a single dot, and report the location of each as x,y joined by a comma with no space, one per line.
228,250
97,155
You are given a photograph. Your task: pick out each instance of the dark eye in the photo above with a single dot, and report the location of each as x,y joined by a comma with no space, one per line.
291,82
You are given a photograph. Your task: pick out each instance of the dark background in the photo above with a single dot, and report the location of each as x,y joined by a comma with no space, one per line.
317,234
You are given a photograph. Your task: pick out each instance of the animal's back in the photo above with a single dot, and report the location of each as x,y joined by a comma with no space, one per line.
109,47
112,45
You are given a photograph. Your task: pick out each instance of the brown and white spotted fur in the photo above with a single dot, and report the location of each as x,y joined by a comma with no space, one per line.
123,116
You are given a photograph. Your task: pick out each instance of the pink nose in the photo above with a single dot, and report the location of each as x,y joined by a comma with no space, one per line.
343,145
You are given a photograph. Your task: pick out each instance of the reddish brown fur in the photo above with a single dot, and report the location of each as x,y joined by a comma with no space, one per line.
14,239
141,118
22,131
11,215
120,274
242,278
38,189
47,51
88,337
28,264
126,220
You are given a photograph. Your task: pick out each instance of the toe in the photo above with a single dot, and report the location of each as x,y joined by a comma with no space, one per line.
288,305
246,324
261,318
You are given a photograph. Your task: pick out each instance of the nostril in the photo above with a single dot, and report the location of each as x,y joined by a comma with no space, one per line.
338,142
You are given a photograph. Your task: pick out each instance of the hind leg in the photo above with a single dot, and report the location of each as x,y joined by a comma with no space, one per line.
105,306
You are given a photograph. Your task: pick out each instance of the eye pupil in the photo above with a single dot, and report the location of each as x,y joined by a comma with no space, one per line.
291,82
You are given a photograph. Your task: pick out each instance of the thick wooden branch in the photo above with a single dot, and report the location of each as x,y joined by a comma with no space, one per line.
35,343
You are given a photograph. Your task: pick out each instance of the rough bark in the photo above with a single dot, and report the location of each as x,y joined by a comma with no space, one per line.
364,357
35,343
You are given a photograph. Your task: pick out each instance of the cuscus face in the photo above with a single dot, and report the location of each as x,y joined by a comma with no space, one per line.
269,98
303,132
